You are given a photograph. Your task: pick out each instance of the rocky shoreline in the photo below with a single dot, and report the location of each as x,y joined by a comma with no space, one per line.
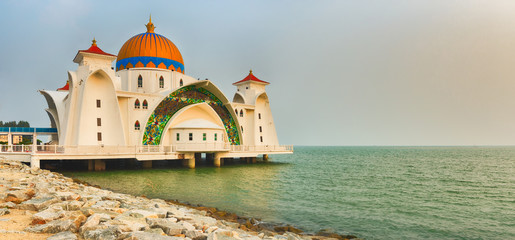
40,204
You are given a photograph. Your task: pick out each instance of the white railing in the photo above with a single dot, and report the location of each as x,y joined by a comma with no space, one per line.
142,149
262,148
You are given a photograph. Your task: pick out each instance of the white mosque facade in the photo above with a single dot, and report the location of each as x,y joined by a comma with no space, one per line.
147,100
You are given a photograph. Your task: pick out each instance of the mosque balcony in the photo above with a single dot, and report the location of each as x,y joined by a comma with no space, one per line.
136,151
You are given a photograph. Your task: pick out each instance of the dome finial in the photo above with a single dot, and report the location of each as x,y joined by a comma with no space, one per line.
150,26
94,42
250,72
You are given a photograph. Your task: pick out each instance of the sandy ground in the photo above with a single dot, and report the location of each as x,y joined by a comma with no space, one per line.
12,225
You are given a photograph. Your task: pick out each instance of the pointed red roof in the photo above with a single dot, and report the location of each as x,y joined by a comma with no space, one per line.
95,49
251,77
65,88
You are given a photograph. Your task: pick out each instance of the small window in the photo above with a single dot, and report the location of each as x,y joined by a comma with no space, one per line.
241,113
260,129
140,81
99,122
216,137
136,125
136,104
161,82
204,136
261,137
145,104
191,136
241,128
247,88
259,115
99,136
98,103
181,83
178,137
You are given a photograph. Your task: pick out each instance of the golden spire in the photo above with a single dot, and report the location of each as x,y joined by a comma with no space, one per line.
150,26
94,42
250,72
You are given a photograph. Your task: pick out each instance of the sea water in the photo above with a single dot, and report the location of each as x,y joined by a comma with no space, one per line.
371,192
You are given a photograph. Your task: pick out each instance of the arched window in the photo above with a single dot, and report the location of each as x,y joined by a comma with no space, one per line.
136,125
236,110
181,83
136,104
140,81
161,82
145,104
241,113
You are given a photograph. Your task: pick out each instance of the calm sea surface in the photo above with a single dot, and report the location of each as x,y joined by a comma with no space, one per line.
371,192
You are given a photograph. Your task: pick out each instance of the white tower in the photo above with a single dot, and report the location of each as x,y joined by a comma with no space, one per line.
252,107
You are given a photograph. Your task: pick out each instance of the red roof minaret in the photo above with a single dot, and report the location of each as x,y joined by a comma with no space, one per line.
251,77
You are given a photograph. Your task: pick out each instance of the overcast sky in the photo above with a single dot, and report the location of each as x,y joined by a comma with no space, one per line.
435,72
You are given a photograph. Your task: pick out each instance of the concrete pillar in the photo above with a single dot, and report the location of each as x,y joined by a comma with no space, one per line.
34,162
10,140
188,162
91,165
217,161
253,159
147,164
265,157
34,141
100,165
247,159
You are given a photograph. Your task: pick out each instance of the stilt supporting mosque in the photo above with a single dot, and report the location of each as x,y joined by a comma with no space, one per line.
147,164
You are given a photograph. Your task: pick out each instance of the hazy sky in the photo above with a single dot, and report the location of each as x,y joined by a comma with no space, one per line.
435,72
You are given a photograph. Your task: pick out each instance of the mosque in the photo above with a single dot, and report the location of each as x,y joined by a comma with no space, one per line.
146,106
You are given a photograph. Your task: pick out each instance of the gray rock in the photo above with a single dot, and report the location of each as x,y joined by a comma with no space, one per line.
229,224
195,234
147,236
66,196
93,220
70,205
106,204
169,227
37,204
153,213
47,215
200,221
7,205
292,236
109,233
4,211
128,224
53,227
63,236
222,234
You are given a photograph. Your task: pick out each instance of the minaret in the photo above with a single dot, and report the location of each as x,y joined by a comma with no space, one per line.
253,111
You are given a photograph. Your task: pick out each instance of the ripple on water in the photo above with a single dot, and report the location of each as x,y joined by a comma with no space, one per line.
371,192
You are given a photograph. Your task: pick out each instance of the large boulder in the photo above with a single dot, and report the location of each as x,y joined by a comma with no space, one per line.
102,233
222,234
169,226
93,220
53,227
37,204
47,215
